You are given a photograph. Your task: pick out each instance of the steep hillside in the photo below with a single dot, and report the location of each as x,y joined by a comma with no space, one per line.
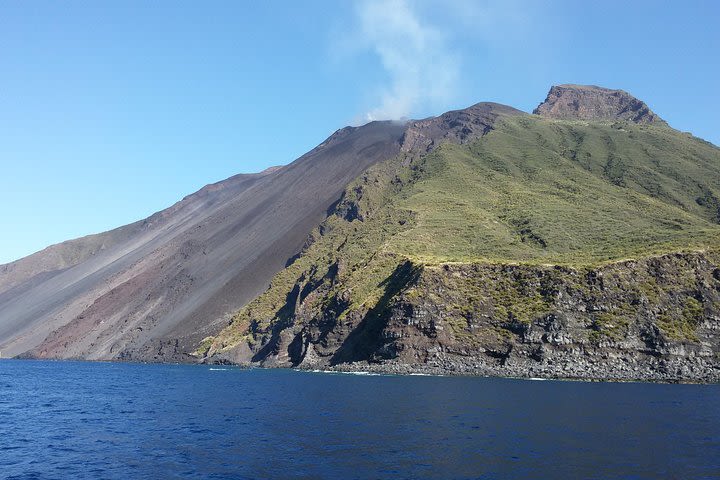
549,241
151,290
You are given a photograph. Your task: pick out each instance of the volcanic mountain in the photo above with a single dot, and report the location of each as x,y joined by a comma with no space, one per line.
581,240
147,290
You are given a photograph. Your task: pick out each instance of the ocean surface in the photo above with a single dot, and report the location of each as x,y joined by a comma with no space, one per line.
120,421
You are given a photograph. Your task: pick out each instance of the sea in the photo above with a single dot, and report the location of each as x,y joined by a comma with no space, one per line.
76,420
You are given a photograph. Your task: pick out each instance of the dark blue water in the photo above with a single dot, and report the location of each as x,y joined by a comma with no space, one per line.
82,420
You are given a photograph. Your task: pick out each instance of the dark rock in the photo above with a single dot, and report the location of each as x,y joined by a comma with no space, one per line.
588,326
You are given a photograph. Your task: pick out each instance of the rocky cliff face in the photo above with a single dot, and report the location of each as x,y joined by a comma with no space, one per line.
652,319
587,102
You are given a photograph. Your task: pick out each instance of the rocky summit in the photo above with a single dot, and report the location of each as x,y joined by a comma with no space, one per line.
580,241
588,102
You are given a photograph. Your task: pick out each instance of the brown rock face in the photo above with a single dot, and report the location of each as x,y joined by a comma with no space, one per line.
457,126
588,102
653,319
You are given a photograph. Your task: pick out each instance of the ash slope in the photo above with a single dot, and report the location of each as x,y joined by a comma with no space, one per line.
579,242
153,289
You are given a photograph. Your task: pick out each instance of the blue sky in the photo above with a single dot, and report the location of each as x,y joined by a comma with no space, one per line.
112,110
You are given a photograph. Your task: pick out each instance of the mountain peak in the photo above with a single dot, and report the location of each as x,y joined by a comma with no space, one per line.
590,102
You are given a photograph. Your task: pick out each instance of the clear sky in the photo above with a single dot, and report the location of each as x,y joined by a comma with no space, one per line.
112,110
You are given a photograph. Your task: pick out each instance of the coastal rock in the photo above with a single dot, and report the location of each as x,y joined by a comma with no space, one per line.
642,322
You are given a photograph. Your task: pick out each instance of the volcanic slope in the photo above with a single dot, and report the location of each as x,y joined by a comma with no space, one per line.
151,290
488,255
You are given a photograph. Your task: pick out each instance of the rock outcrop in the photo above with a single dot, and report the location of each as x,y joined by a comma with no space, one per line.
588,102
457,126
655,319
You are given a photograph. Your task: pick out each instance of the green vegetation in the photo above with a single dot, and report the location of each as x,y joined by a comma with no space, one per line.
532,191
345,265
562,192
608,325
683,326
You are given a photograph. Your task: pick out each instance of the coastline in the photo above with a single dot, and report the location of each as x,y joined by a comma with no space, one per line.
514,373
694,370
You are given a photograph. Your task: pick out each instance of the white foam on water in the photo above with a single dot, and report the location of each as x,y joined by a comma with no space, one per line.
362,373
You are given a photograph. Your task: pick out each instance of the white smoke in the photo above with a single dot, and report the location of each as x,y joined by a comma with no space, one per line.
421,68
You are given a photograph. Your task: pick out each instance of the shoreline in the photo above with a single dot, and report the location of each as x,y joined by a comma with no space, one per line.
398,369
709,376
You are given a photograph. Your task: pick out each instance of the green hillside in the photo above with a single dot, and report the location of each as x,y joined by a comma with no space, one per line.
533,190
537,190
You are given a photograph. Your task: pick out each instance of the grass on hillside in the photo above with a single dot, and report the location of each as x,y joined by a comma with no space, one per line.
532,191
542,191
